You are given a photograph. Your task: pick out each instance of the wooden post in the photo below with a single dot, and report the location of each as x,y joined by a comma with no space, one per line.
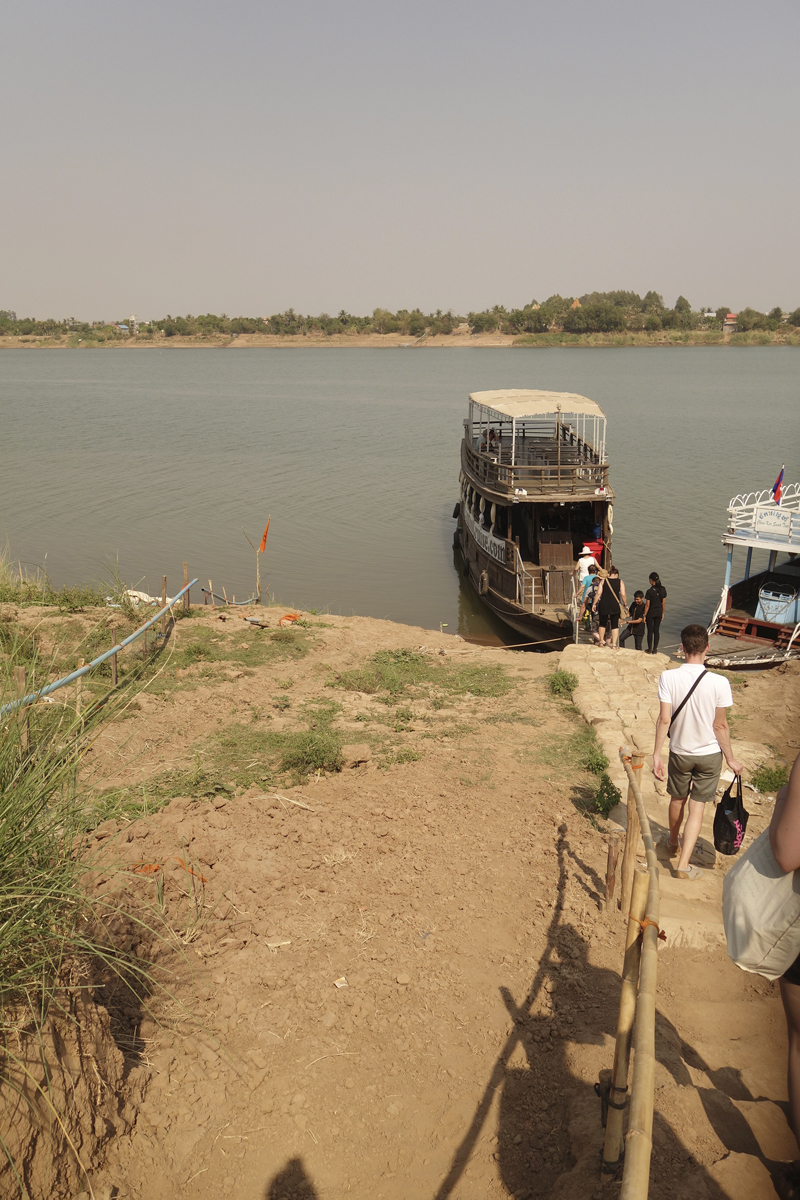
144,646
631,839
611,867
79,690
639,1138
186,604
163,602
24,714
113,658
618,1092
211,593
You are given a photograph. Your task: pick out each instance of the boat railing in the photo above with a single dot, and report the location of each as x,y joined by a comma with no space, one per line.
526,585
566,478
757,514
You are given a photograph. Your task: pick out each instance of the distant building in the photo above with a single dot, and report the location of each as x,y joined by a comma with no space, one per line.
729,324
575,304
134,324
709,314
124,328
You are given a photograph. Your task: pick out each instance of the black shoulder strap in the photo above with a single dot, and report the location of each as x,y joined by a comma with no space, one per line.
685,700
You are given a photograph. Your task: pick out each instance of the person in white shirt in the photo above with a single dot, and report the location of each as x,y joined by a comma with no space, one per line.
585,560
693,713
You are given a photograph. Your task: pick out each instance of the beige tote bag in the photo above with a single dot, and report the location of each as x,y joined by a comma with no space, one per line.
761,912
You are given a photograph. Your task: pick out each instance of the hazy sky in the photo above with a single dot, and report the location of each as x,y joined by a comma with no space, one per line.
250,156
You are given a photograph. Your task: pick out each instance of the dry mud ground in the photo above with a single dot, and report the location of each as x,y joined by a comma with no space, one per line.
453,878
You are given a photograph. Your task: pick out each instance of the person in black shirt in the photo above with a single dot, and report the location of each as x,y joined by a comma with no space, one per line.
635,626
655,604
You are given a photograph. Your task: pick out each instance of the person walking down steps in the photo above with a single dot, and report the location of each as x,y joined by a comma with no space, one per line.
693,713
655,605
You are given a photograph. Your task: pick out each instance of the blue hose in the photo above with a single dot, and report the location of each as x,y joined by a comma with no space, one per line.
59,683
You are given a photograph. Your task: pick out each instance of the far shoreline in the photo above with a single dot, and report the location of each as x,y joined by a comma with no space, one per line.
395,341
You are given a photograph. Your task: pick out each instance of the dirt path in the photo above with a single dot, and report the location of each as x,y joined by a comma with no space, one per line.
452,876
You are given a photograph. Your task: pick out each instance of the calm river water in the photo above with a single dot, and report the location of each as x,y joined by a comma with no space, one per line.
151,457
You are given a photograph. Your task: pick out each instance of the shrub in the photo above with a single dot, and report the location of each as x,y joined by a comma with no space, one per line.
562,683
770,778
607,795
595,760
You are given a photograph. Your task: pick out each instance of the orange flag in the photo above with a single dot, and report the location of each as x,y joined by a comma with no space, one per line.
263,545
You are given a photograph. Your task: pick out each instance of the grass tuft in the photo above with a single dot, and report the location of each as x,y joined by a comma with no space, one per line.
562,683
401,674
770,777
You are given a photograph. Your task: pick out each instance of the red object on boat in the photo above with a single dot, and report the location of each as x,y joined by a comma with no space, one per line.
596,549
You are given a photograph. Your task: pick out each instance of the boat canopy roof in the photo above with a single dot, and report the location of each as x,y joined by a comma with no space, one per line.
518,403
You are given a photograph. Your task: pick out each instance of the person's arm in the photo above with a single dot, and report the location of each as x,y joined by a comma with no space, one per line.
662,729
723,735
663,606
623,593
646,609
784,829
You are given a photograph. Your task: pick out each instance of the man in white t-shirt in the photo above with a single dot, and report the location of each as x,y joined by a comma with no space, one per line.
698,738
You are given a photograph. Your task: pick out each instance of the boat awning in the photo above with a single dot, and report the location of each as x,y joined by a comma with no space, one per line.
519,403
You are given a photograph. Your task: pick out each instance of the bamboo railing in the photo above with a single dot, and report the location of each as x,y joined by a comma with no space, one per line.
637,1000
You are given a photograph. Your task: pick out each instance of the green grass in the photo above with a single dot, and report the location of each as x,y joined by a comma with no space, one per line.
18,588
770,777
49,926
394,675
576,749
562,684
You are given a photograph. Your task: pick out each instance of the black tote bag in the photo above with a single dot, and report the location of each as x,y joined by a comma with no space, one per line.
730,819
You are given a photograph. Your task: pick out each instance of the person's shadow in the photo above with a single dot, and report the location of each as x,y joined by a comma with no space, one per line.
542,1102
544,1109
292,1183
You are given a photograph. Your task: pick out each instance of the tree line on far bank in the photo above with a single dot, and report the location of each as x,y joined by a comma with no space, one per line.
595,312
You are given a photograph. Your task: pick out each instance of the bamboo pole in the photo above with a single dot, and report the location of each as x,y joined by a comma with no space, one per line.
211,590
186,601
639,1138
113,658
631,839
617,1099
163,603
611,868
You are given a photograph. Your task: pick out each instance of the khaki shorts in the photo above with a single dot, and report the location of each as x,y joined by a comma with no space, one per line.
698,772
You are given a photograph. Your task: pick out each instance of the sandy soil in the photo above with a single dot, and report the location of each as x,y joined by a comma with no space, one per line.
460,896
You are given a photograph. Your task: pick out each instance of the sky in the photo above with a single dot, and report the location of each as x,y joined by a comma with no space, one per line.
247,157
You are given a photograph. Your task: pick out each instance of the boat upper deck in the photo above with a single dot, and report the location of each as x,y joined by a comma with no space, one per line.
531,443
755,520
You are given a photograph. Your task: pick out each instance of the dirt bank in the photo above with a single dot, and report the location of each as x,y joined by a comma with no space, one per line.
449,878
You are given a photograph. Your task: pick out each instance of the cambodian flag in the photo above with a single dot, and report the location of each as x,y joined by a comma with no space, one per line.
777,487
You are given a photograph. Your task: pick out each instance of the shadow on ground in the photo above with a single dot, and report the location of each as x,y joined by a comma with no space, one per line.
549,1133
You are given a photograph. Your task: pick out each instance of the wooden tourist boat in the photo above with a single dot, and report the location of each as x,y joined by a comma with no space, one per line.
757,620
534,491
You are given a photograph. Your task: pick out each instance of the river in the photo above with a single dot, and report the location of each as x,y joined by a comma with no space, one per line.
138,460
